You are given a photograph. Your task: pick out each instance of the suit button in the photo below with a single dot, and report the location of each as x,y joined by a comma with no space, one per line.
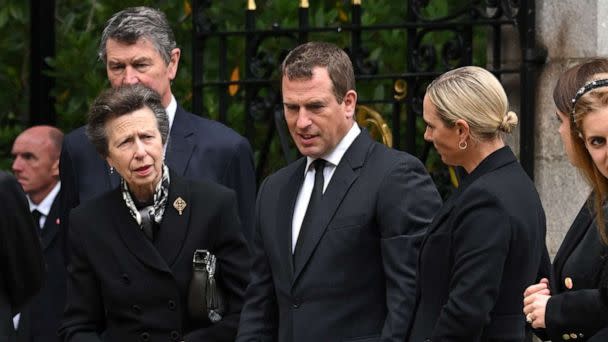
568,283
565,337
144,337
174,335
136,308
125,279
574,336
171,305
581,335
295,305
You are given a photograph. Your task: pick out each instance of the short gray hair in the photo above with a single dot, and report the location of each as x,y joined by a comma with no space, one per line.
119,101
134,23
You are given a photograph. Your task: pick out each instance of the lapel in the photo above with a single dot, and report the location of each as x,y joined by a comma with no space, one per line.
180,145
287,201
51,224
130,233
577,230
344,176
174,227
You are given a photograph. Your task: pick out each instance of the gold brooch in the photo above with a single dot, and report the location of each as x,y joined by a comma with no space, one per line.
179,205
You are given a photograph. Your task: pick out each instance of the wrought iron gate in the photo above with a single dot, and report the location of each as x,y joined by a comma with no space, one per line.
430,45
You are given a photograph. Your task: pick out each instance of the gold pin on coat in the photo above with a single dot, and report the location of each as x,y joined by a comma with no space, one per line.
568,282
179,205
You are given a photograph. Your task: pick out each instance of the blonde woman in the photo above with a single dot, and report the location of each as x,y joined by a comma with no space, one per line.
487,243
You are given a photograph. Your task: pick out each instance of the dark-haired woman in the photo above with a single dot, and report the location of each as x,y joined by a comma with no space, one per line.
569,306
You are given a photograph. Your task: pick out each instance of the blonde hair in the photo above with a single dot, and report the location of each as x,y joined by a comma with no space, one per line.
474,95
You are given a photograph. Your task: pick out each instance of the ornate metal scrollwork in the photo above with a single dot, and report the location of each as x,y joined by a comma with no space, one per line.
453,52
400,89
362,63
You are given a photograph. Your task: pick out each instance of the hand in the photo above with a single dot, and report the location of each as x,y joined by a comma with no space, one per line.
542,287
535,303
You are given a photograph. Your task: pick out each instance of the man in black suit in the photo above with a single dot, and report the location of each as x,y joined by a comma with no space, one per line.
138,46
21,260
336,232
36,166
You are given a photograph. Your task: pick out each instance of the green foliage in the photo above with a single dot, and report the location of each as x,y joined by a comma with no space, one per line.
79,75
14,73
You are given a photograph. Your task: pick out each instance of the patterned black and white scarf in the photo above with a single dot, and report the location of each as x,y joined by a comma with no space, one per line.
161,195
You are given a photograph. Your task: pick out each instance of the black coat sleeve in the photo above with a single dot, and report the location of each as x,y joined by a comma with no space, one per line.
407,202
22,267
259,317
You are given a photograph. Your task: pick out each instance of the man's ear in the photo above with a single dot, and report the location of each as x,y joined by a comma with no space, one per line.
173,63
55,169
350,103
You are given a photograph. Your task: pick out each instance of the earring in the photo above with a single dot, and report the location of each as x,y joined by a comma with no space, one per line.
111,169
462,145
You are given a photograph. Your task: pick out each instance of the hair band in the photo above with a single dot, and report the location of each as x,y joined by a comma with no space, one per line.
589,86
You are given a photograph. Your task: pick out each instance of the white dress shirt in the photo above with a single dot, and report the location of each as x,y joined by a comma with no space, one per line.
44,207
171,109
333,159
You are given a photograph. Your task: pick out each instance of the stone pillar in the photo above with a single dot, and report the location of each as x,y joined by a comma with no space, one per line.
571,31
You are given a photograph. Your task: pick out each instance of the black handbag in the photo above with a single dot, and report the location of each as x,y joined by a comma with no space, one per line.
205,298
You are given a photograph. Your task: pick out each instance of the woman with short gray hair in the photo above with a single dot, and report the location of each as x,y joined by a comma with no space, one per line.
133,250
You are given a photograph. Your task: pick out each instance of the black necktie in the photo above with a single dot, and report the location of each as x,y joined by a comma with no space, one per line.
313,206
36,215
147,224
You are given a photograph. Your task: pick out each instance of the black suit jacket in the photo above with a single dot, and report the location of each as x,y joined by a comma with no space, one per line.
356,278
40,319
483,249
135,290
197,149
578,310
22,269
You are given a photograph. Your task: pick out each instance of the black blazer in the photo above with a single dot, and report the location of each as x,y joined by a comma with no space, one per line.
135,290
356,278
40,319
482,250
197,149
579,310
22,270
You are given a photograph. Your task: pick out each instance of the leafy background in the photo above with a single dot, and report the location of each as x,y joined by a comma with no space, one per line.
79,75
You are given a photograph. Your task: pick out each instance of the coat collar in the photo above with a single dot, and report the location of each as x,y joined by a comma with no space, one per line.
181,142
582,223
287,199
345,175
171,235
51,225
495,160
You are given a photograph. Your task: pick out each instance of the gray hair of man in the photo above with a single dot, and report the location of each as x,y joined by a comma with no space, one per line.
119,101
134,23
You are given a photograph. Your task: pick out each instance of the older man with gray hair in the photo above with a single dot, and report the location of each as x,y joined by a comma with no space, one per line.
138,46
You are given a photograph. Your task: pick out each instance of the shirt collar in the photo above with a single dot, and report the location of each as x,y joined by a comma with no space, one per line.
44,207
171,109
335,156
